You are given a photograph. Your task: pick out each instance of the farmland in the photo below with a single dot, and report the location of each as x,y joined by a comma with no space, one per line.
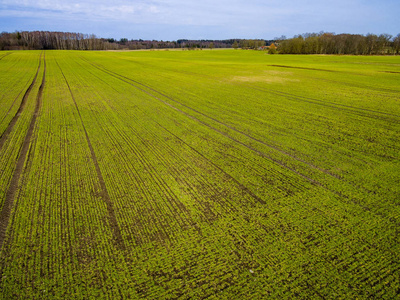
199,174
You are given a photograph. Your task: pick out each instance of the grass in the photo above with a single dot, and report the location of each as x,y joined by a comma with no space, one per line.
195,174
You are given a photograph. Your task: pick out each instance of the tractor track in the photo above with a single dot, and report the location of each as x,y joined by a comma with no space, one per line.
13,103
129,81
304,68
350,108
117,236
11,107
360,86
355,110
14,120
293,97
391,72
242,186
5,55
260,153
14,186
118,76
379,89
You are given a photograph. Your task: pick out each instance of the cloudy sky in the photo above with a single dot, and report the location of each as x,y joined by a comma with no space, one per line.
201,19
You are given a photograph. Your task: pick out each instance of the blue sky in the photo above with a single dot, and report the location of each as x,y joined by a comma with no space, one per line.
201,19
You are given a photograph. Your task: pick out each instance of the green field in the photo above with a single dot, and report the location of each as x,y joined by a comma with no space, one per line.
225,174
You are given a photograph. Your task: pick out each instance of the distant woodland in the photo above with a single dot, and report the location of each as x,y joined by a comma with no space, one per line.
329,43
309,43
31,40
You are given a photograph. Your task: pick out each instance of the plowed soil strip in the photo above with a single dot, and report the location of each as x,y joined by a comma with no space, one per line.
19,169
104,192
14,120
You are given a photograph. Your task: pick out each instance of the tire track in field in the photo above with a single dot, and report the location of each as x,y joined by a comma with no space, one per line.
360,86
214,78
19,169
225,125
162,185
332,104
276,161
294,97
350,109
341,195
338,106
211,192
392,72
347,108
5,55
12,105
104,192
242,186
298,98
310,69
134,176
192,117
14,120
380,89
260,153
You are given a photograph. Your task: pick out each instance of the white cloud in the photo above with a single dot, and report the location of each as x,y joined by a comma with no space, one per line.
115,10
207,18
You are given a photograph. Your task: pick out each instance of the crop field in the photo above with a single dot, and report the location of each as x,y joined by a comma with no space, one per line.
224,174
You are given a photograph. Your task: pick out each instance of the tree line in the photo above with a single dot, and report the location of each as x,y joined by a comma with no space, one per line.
309,43
330,43
37,40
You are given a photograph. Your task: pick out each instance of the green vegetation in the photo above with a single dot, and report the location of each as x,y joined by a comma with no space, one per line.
329,43
194,174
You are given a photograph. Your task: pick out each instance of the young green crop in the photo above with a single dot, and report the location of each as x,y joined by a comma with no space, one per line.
178,174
